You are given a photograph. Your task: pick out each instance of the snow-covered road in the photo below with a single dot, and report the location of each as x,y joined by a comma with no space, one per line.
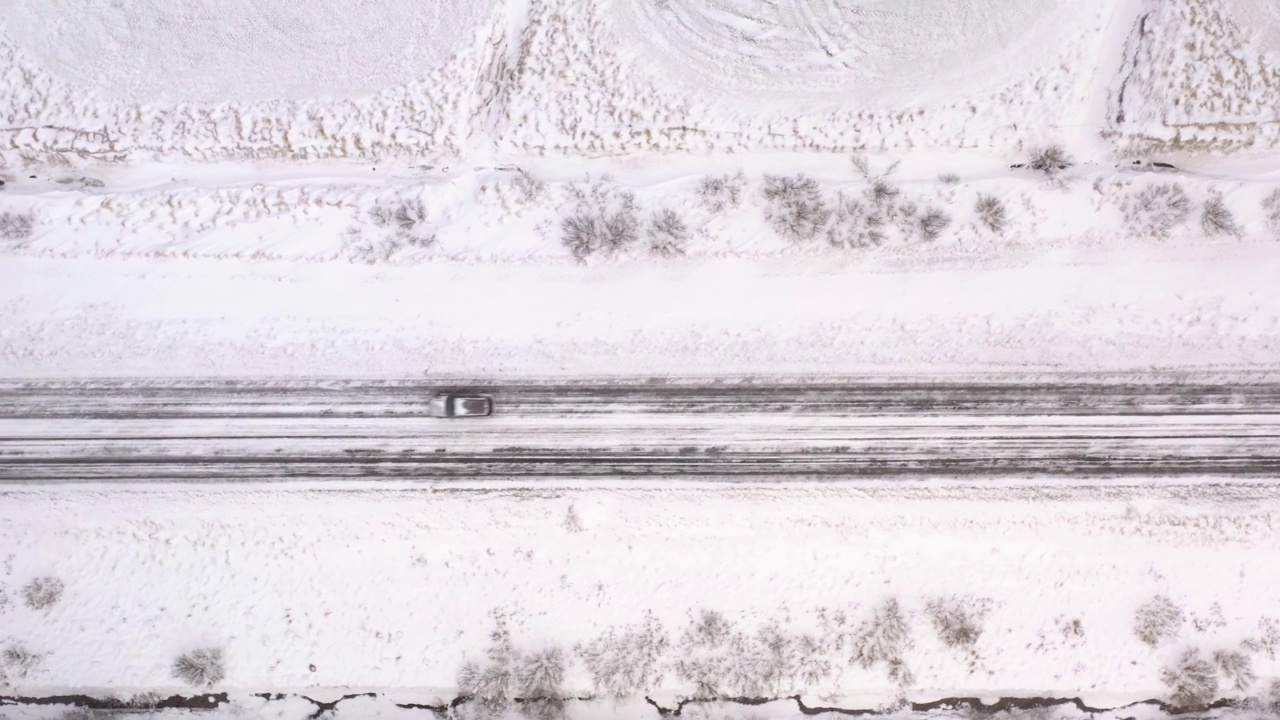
256,430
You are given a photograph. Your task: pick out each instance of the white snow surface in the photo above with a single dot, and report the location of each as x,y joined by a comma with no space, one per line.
240,50
395,587
386,188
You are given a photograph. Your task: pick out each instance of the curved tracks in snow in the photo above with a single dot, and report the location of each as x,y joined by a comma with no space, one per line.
300,430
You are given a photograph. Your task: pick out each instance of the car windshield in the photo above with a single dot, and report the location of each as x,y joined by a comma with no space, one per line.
470,406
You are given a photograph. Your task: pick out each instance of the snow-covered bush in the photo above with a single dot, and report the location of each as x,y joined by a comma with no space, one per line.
667,233
1157,210
931,223
200,668
1272,208
717,660
16,227
882,639
19,661
991,213
1236,667
1191,680
397,224
1157,620
855,224
795,209
1049,161
1217,219
604,221
42,592
720,193
626,662
957,621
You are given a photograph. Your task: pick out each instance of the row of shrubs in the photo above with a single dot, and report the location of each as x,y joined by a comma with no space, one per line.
714,658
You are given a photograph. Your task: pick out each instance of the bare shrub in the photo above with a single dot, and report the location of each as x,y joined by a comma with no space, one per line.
1268,640
42,592
796,208
626,662
1272,207
931,223
1157,210
1216,218
1236,667
492,684
883,639
949,178
991,213
572,523
1049,161
19,660
530,189
356,246
719,193
667,234
605,221
1192,681
882,193
957,621
16,226
720,661
202,667
855,225
406,218
541,674
397,224
1157,620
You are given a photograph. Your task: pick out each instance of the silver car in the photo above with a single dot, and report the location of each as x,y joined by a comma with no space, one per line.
449,405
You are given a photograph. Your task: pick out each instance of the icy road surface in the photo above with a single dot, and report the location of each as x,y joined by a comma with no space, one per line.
254,430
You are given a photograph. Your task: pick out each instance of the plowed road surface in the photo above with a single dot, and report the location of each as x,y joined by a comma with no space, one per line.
252,430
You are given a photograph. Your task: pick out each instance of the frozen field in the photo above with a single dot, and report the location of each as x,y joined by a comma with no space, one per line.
585,191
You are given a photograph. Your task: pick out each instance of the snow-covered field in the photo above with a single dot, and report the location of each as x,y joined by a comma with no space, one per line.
595,188
397,587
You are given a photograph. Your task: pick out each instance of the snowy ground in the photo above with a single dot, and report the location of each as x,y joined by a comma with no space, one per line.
611,188
397,587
